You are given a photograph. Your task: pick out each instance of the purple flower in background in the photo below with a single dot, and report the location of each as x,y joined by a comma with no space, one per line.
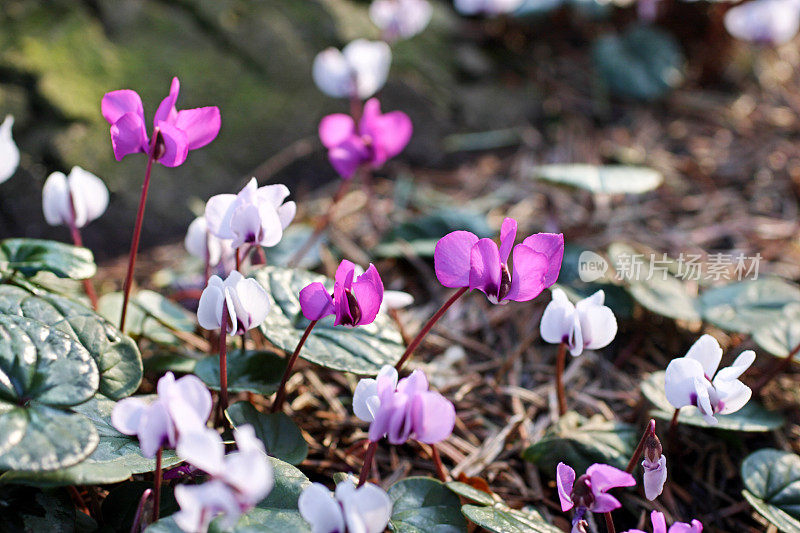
256,215
376,139
461,259
178,131
770,22
366,509
660,525
244,299
400,19
355,301
586,325
694,380
358,71
400,410
589,492
182,406
73,200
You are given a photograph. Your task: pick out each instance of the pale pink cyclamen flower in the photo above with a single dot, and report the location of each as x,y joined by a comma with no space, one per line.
461,259
655,475
179,131
587,325
355,301
400,19
358,71
660,525
770,22
404,409
488,7
377,138
256,215
694,380
238,302
182,406
366,509
9,153
589,492
239,480
204,245
73,200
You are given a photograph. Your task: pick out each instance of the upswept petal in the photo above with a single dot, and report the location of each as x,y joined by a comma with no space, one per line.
9,153
369,504
211,305
204,450
368,291
390,132
117,103
508,233
55,200
484,267
552,246
370,60
528,276
557,320
606,477
273,195
364,399
251,303
565,479
201,125
708,352
127,415
315,301
89,195
679,381
176,144
598,326
318,507
433,417
451,258
333,75
703,392
739,366
286,214
166,111
128,135
218,215
344,273
335,129
604,503
155,429
733,395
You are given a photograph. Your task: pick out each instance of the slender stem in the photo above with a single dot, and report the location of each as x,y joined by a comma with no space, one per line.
437,460
223,371
87,283
157,486
207,269
649,430
561,362
427,327
610,523
281,395
673,426
785,364
368,457
238,259
137,519
137,230
321,226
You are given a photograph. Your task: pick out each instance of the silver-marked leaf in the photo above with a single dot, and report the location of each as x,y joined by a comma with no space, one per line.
753,417
781,336
424,505
609,179
294,237
249,371
280,435
493,514
747,306
772,482
29,256
360,350
150,315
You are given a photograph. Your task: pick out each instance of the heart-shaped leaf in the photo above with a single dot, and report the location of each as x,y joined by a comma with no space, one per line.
422,505
249,371
643,63
747,306
609,179
753,417
772,486
29,509
116,355
29,256
150,315
360,350
580,442
280,435
494,515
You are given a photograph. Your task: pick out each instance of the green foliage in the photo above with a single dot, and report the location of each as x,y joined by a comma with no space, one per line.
419,235
772,486
31,510
746,306
782,336
249,371
150,316
29,256
280,435
422,505
609,179
494,515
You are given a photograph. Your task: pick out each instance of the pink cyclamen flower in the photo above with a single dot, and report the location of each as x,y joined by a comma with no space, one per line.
366,509
239,480
589,492
694,380
461,259
179,131
355,301
243,299
182,406
660,525
400,19
586,325
377,138
256,215
404,409
770,22
73,200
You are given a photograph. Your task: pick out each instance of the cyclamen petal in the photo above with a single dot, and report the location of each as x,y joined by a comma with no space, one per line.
76,199
771,22
655,475
200,504
451,258
587,325
355,301
9,153
366,509
128,135
400,19
565,480
243,302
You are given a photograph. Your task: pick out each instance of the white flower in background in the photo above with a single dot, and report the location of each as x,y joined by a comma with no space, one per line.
359,70
400,19
488,7
366,509
73,200
694,380
256,215
204,245
589,325
771,22
9,153
244,299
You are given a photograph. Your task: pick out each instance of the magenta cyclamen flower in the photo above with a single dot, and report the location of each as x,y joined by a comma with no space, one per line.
660,525
588,492
400,410
178,131
461,259
355,301
377,138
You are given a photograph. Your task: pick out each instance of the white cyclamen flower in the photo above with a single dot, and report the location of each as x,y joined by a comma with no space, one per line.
204,245
359,70
256,215
771,22
488,7
366,509
9,153
73,200
400,19
654,477
589,325
244,299
694,380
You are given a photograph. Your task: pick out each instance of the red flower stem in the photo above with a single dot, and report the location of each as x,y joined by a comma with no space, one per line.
207,269
649,430
281,395
157,486
610,523
238,260
223,371
368,457
785,364
428,326
321,226
88,288
561,362
137,519
437,460
137,230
